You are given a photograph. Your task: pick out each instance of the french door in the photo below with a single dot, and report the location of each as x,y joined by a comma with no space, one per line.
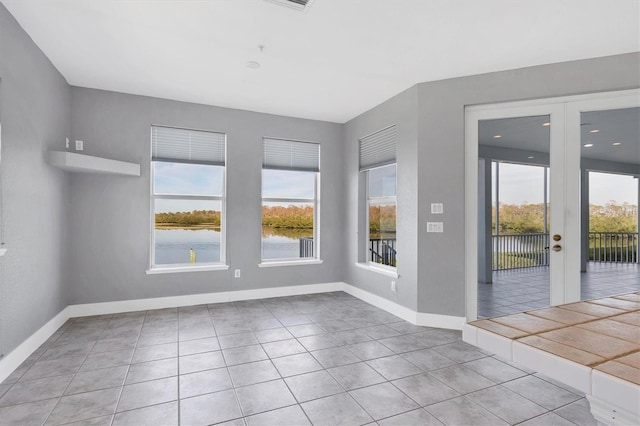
522,136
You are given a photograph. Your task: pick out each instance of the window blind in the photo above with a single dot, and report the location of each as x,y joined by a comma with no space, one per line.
291,155
187,146
378,149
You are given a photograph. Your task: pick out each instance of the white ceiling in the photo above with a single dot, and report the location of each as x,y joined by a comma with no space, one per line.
601,129
333,62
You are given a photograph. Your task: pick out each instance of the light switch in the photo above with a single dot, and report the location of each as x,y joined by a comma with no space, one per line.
435,227
437,208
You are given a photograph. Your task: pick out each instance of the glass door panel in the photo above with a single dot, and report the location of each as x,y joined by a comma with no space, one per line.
610,167
514,214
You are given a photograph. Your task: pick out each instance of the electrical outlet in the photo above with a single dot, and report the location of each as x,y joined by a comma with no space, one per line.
393,286
79,145
236,273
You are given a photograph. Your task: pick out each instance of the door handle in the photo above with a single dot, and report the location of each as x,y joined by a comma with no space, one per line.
556,247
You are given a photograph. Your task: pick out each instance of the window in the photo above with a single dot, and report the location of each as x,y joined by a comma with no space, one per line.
188,198
378,164
290,181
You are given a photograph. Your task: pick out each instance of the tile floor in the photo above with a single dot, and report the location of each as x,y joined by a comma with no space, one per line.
323,359
518,290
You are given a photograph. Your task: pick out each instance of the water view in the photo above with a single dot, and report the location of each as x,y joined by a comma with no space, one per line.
174,245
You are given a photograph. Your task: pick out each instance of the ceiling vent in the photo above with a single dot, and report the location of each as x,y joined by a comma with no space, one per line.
301,5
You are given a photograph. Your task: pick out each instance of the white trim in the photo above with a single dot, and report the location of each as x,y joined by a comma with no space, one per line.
555,100
616,391
416,318
176,269
197,299
17,356
610,414
377,269
393,308
440,321
276,263
564,113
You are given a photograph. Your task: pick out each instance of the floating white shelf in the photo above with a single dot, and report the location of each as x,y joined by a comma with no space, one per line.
81,163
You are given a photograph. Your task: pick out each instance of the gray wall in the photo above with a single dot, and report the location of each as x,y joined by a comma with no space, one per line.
82,238
34,112
400,110
431,169
441,155
110,215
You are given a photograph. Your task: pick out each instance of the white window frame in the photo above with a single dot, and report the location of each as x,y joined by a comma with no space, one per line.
316,225
186,267
316,259
394,198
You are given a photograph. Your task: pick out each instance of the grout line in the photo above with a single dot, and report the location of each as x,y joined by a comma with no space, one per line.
281,377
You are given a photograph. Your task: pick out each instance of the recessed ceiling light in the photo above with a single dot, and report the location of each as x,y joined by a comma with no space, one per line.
530,157
594,131
547,124
616,143
253,65
497,136
588,145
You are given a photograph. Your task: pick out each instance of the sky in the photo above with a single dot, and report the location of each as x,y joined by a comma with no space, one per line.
196,179
521,184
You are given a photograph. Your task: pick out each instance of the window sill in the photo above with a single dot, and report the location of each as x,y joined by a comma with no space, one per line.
384,271
289,263
176,269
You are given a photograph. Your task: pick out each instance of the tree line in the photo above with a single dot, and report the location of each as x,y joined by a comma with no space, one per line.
529,218
290,217
382,218
514,218
192,218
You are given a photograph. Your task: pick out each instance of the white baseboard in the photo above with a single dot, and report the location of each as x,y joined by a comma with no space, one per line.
13,360
440,321
120,306
380,302
16,357
417,318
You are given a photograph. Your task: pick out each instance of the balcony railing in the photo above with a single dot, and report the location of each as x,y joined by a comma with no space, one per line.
513,251
620,247
383,251
306,247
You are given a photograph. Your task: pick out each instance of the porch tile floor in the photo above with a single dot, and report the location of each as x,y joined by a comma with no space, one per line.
590,340
526,289
322,359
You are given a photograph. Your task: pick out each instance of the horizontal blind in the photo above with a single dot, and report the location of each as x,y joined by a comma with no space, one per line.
187,146
378,149
291,155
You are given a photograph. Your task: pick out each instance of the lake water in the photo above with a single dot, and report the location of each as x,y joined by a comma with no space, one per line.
173,245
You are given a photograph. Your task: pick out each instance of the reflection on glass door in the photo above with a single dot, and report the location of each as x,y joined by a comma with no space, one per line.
513,194
610,167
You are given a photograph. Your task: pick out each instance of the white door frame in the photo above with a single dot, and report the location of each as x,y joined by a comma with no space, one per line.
564,153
